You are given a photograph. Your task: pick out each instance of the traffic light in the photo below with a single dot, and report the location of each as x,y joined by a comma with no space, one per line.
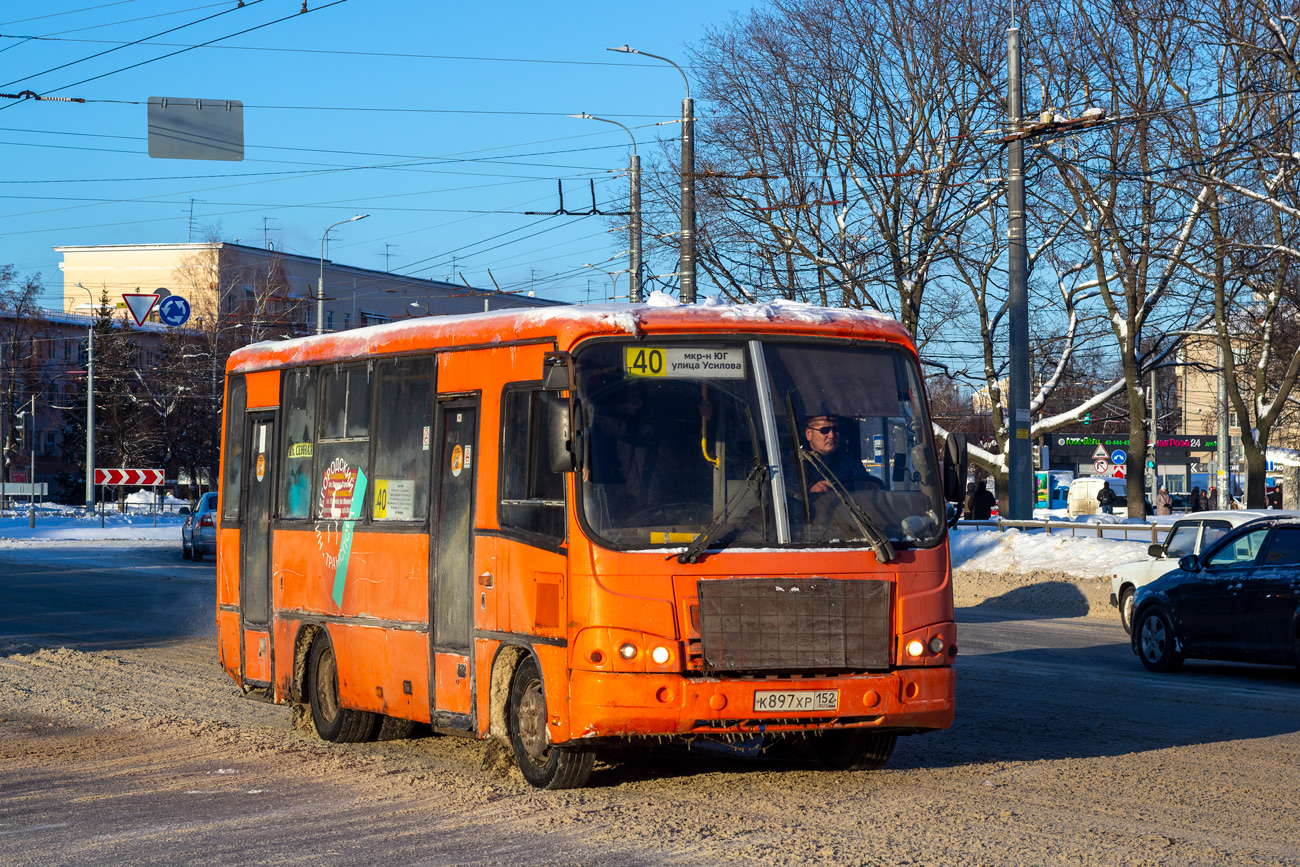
1087,417
1151,465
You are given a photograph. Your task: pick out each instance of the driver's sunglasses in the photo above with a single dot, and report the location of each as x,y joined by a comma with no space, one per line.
830,428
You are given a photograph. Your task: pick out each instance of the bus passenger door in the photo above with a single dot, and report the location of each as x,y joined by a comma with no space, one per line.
255,561
451,589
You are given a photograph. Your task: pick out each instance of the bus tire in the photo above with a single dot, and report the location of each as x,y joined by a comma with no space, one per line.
544,766
855,749
333,721
393,728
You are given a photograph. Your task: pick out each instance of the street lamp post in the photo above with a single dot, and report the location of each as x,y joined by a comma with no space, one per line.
612,275
686,261
634,207
90,403
320,283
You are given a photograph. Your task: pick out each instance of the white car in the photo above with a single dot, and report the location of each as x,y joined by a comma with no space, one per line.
1189,535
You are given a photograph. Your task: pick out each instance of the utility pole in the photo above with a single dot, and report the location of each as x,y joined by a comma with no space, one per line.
31,475
634,295
1020,466
686,259
1155,437
1225,437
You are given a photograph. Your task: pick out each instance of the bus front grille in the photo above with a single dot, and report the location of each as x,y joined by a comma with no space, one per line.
794,624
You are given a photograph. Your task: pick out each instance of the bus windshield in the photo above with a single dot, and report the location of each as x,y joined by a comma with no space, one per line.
755,444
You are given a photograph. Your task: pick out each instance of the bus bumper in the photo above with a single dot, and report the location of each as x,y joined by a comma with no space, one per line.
607,704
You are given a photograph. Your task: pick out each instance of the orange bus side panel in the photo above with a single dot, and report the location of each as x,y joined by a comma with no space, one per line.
407,668
359,653
453,690
263,389
227,567
387,575
257,655
554,662
228,641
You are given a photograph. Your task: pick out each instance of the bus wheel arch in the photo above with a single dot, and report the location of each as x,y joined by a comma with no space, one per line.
301,649
508,658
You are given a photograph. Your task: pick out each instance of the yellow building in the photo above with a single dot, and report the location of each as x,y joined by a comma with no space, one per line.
271,292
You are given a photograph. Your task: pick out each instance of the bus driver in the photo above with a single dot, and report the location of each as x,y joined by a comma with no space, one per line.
824,434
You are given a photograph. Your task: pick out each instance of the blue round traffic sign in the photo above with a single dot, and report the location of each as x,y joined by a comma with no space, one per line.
1118,457
174,310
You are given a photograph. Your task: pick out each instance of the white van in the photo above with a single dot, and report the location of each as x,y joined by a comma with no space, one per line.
1083,496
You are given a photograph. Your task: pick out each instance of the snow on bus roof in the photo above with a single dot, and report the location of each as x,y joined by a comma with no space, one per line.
508,324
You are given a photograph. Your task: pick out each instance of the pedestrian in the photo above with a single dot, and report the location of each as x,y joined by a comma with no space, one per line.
1164,503
1106,498
1274,497
1210,499
1194,500
982,503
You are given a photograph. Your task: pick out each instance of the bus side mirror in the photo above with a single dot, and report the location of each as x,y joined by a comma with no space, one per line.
557,371
557,417
954,468
1189,563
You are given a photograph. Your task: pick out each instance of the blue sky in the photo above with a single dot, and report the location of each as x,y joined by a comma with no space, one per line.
431,118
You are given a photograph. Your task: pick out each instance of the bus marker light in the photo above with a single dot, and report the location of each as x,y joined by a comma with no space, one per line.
870,698
936,644
627,650
659,655
717,701
915,648
597,657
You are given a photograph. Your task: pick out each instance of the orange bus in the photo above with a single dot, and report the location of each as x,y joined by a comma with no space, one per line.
577,527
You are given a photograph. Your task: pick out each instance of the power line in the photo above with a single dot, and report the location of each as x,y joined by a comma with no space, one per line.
304,11
119,47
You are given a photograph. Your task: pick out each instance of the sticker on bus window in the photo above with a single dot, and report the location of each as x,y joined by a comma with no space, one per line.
457,461
426,437
394,500
684,362
261,467
299,450
338,483
468,451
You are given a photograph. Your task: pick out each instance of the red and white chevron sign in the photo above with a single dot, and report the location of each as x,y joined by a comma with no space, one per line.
129,477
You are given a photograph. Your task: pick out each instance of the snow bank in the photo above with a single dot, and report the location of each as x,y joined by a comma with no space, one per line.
1016,551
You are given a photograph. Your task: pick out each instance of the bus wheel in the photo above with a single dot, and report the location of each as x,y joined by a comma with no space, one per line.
333,721
542,765
855,749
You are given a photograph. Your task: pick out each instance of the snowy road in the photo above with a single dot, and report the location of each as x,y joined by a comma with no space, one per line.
121,742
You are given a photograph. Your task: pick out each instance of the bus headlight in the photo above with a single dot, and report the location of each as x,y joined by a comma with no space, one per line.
936,644
627,650
915,647
659,655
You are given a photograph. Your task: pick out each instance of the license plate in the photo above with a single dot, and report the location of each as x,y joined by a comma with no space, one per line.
796,700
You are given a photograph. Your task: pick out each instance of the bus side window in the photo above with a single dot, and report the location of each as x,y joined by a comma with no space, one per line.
299,411
403,430
343,445
231,484
532,497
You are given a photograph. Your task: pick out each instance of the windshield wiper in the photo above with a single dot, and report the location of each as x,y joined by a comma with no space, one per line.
696,549
879,541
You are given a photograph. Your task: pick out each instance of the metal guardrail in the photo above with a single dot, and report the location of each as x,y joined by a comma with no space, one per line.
1099,529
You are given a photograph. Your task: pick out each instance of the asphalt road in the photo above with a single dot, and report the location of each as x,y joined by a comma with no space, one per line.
121,742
